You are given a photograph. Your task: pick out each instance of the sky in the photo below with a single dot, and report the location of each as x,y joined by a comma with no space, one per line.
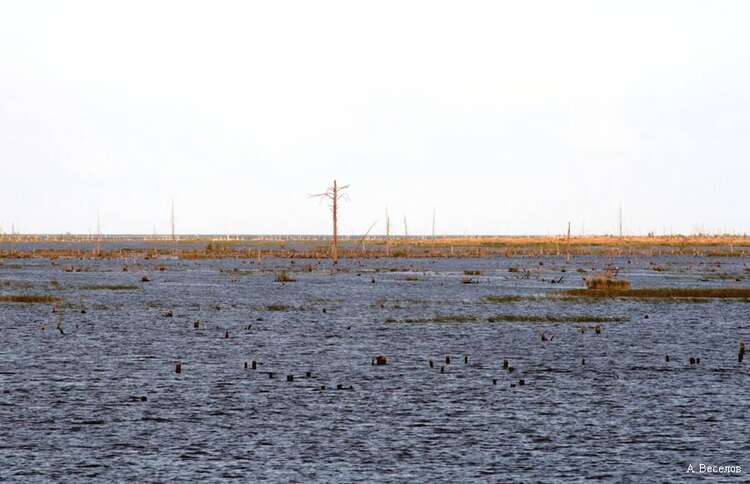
502,117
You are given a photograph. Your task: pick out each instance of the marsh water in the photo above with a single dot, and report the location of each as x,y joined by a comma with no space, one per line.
103,401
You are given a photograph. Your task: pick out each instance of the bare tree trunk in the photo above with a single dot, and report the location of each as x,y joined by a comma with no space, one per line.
334,252
333,194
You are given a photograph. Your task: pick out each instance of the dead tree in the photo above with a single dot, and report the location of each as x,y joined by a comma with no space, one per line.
365,236
333,194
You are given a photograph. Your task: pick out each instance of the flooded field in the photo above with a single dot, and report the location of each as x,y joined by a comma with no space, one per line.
595,388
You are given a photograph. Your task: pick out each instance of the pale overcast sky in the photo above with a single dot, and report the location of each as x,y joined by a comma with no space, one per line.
506,117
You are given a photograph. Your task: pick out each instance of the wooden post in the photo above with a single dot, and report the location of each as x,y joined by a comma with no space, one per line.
567,256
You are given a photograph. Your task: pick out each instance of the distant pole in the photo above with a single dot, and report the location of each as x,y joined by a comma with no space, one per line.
433,223
406,228
98,233
174,237
620,221
387,233
567,255
171,222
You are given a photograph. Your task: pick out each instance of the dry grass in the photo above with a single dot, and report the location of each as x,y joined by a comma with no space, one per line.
664,293
603,281
277,307
477,246
283,276
30,298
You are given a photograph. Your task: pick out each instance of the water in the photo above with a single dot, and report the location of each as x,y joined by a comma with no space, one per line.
71,405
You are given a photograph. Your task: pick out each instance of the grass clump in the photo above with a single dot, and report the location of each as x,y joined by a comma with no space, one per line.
472,273
283,276
109,287
277,307
506,299
550,318
604,281
449,318
29,298
664,293
16,284
513,318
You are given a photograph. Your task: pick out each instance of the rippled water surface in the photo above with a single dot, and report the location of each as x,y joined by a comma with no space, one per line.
103,401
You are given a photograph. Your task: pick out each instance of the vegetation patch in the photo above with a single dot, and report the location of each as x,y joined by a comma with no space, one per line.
277,307
513,318
16,284
109,287
606,282
725,277
509,299
550,318
664,293
29,298
283,276
451,318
